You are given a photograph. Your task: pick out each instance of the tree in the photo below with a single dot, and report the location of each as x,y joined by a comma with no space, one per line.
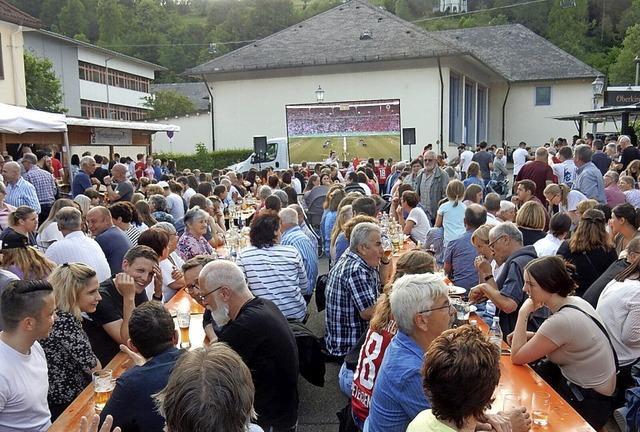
44,91
623,71
111,22
72,18
168,103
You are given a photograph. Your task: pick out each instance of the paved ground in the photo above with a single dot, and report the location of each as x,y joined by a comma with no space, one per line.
318,405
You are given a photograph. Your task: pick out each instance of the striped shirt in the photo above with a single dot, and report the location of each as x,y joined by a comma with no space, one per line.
22,194
276,273
298,239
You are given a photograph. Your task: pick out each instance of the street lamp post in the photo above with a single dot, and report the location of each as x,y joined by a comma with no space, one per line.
597,87
637,60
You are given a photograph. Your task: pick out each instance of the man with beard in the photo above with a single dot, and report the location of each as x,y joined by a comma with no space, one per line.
256,329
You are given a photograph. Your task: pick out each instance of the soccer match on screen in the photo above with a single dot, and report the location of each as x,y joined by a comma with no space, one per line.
360,129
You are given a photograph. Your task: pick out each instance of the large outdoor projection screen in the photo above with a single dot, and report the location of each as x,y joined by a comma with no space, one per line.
361,129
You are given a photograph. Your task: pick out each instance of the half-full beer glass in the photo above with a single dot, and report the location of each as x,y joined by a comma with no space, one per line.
184,321
103,385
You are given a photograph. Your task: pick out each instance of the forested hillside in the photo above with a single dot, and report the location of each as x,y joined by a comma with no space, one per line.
179,34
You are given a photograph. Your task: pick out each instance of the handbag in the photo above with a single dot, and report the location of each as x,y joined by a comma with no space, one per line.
321,286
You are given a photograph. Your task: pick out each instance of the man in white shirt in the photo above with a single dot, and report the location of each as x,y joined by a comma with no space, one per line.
520,157
77,247
28,313
566,170
466,157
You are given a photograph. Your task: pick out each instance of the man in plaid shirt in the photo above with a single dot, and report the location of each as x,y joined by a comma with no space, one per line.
353,287
43,181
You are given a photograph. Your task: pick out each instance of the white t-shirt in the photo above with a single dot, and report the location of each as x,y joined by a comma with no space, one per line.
24,384
49,235
465,159
547,246
422,224
573,198
565,171
519,159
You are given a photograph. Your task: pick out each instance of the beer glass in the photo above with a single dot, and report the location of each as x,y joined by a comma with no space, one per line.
184,320
540,405
103,385
387,247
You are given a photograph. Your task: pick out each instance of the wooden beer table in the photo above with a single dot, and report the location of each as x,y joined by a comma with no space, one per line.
523,381
69,420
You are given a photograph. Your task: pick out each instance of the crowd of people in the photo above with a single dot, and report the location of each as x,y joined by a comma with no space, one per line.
555,258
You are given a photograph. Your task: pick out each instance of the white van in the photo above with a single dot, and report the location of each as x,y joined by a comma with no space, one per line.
277,157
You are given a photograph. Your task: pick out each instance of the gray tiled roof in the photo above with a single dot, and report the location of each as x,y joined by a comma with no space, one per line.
197,92
334,37
518,54
12,14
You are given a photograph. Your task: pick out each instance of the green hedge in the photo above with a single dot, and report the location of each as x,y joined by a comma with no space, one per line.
205,160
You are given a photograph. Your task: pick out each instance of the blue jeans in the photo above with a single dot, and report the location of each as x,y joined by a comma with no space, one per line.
345,379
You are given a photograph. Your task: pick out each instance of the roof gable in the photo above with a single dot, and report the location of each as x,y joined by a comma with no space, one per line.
10,13
334,37
518,54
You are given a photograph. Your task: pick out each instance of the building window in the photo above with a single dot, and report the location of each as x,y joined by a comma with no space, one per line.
98,74
543,96
91,109
455,109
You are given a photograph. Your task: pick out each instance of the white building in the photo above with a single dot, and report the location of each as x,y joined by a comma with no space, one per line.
13,22
453,6
83,69
497,84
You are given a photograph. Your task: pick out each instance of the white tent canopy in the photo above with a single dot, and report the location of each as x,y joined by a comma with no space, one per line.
17,120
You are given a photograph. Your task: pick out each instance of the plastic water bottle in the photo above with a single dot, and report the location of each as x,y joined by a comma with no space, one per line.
495,333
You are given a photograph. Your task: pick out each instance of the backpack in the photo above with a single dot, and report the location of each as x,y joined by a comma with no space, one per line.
632,397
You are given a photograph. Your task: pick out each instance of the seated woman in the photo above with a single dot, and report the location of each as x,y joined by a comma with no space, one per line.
530,220
473,194
417,222
459,358
619,307
572,338
559,228
624,223
23,260
590,250
69,355
48,232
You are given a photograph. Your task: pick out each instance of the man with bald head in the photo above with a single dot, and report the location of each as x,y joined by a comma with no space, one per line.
112,240
119,188
19,191
292,235
82,180
431,184
256,329
629,153
303,225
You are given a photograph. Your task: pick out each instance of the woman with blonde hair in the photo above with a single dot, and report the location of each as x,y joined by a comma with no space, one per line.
531,219
590,249
84,204
69,355
48,232
24,261
382,328
451,213
344,214
566,199
585,205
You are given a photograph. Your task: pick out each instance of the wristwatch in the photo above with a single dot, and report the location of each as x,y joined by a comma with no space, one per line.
488,277
159,298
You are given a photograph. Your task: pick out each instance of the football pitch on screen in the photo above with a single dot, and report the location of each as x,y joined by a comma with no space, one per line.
363,147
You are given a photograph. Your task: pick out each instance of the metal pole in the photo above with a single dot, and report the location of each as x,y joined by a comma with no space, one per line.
594,124
637,60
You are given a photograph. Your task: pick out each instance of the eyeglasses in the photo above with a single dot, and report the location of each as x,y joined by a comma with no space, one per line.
429,160
494,242
447,306
203,296
192,289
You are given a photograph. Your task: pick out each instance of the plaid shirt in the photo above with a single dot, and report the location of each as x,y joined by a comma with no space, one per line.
22,194
351,288
44,183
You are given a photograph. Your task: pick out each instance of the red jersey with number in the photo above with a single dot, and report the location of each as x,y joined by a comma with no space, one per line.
371,355
140,167
382,172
